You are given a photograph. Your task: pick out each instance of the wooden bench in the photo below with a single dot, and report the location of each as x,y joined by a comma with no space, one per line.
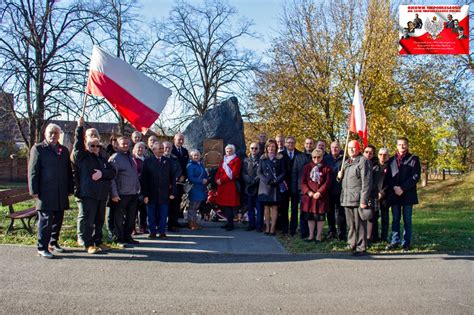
13,196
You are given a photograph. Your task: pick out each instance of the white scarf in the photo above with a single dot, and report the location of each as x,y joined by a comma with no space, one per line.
315,175
225,165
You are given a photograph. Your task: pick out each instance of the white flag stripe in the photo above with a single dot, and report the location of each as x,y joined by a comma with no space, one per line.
144,89
359,113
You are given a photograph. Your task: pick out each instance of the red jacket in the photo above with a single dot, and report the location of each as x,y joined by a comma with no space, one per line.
227,194
309,204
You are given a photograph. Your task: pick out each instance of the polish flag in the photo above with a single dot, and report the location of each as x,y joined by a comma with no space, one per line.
357,121
135,96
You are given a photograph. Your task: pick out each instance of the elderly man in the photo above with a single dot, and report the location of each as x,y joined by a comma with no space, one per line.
151,140
336,214
93,174
251,180
356,179
159,187
404,172
262,139
125,189
183,157
50,182
280,140
90,134
297,173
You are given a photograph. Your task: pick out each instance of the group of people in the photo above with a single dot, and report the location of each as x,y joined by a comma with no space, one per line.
451,23
281,189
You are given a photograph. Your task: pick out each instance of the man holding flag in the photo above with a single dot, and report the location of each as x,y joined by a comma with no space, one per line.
356,177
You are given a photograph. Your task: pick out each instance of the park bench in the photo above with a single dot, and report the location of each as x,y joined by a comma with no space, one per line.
14,196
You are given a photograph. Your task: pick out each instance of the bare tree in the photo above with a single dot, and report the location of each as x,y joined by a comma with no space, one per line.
203,61
38,59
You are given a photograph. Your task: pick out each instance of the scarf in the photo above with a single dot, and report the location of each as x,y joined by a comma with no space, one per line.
315,174
225,165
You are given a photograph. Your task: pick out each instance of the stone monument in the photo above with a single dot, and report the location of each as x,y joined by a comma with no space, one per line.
221,122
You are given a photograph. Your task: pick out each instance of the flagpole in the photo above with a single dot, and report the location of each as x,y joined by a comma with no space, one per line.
345,150
84,105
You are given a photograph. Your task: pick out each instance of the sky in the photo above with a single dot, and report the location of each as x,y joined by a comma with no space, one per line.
264,13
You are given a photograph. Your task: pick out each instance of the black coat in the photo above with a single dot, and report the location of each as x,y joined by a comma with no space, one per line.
157,180
335,164
183,158
249,174
85,163
409,172
289,167
271,173
50,176
297,171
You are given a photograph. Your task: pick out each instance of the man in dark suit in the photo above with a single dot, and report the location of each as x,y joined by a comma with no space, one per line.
158,188
183,157
450,22
289,156
418,22
403,173
50,182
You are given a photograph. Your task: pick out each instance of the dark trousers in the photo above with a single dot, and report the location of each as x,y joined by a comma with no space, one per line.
289,198
142,215
374,237
337,218
94,218
304,228
80,220
255,212
357,238
110,216
49,227
157,216
384,220
229,214
175,207
125,213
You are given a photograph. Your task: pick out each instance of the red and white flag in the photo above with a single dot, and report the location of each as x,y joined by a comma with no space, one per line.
357,121
135,96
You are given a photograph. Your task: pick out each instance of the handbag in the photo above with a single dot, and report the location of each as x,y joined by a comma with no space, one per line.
365,214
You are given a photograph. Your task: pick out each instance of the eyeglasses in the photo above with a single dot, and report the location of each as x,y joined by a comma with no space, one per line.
95,146
253,148
384,154
317,157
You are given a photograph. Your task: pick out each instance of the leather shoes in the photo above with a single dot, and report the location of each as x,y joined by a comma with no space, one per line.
229,228
132,241
391,246
250,228
358,254
163,236
152,236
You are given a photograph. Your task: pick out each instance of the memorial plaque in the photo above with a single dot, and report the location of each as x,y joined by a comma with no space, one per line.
213,152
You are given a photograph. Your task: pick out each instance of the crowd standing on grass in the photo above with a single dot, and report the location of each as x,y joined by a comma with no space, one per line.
148,187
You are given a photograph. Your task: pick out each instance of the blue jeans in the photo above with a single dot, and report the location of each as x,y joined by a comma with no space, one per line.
157,216
407,225
252,205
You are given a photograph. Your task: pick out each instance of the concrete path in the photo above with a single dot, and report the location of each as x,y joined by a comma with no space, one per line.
217,272
213,239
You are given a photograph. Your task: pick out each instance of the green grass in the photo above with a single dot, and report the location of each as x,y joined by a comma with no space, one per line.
442,222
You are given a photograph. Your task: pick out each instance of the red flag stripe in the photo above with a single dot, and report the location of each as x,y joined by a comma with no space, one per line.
137,113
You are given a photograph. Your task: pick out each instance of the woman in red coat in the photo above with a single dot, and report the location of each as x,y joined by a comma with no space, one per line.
227,175
315,185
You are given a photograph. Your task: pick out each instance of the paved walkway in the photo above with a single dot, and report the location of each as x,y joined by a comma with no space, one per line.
214,240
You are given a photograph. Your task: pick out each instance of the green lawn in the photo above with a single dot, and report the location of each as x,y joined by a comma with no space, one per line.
442,222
